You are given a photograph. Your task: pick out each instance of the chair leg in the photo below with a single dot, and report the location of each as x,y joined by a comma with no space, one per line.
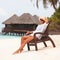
52,42
45,44
28,46
36,46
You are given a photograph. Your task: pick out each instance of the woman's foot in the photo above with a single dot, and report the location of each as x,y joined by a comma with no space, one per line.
18,51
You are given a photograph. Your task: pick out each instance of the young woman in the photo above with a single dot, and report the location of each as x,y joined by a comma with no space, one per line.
25,39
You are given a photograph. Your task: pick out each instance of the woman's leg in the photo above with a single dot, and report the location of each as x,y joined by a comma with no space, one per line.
24,40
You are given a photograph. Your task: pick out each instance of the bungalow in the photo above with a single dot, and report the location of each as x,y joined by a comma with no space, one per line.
21,24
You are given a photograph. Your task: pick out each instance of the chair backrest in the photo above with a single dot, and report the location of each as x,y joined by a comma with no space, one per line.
47,29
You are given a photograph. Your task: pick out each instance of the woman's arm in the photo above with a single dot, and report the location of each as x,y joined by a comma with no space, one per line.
46,20
29,32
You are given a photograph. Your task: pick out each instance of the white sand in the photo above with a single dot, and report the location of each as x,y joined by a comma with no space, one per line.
8,46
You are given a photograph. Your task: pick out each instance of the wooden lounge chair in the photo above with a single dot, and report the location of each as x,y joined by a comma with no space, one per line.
45,37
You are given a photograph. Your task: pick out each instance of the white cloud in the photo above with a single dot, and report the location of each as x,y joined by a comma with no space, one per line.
2,12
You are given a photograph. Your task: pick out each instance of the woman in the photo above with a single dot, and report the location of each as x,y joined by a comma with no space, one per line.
25,39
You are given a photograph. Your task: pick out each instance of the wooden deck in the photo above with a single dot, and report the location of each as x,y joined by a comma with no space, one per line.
14,31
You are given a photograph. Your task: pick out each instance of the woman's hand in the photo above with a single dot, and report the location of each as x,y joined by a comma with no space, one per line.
29,32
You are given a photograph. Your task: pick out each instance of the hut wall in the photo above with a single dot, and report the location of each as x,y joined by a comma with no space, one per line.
17,28
21,26
24,26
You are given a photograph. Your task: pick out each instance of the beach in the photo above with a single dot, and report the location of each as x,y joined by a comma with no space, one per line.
9,45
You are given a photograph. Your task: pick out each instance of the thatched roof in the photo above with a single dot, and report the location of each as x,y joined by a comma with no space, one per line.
25,18
36,18
11,19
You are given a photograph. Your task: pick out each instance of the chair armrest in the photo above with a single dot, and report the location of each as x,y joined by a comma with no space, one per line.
43,34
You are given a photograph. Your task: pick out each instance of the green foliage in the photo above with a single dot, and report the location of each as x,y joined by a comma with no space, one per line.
55,20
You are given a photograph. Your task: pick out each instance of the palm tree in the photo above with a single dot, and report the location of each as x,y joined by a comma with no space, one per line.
52,2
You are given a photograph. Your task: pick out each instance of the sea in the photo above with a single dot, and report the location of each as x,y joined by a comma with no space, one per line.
2,36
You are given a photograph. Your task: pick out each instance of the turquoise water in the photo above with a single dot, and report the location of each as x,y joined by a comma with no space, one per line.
8,36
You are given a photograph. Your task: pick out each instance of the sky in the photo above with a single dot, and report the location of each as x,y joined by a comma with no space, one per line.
18,7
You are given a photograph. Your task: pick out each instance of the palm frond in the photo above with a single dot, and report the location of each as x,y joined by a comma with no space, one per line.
31,0
53,2
45,3
37,3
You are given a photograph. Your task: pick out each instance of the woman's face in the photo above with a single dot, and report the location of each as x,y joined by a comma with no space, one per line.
41,22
